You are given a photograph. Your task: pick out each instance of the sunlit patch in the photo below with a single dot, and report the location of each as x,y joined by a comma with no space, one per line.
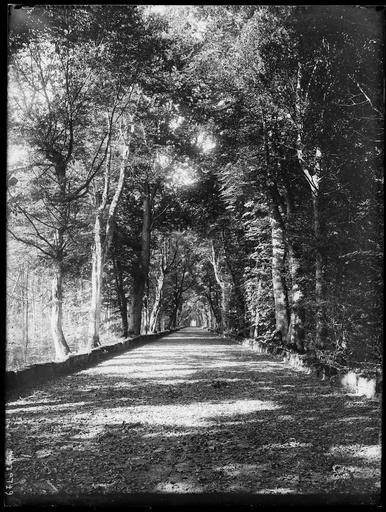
317,395
205,142
350,419
193,414
243,469
183,176
41,408
176,122
359,472
156,9
291,444
113,371
370,452
243,421
16,155
31,402
183,338
41,454
286,417
179,487
175,382
276,490
90,434
172,434
355,403
145,362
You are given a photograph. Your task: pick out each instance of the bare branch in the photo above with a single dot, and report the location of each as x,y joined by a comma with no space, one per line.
39,235
365,95
29,242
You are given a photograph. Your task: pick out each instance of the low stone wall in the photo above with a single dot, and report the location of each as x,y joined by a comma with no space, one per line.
350,380
27,378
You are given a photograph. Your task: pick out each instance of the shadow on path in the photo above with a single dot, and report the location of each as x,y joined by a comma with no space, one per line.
192,413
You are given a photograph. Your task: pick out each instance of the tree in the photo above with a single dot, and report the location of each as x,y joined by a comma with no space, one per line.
53,83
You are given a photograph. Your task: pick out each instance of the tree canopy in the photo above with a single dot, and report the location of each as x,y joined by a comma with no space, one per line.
220,165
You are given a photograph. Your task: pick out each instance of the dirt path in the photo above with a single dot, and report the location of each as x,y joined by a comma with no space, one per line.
192,413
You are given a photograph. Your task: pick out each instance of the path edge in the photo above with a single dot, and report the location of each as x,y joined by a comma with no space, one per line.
350,380
17,381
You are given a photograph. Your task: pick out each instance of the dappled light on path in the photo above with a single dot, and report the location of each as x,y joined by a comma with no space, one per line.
192,414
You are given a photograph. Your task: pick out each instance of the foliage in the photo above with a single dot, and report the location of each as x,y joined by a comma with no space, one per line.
241,115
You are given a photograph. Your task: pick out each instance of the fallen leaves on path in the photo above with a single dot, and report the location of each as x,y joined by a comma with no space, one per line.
192,414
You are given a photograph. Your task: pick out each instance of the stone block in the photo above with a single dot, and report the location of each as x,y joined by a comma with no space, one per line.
366,386
349,380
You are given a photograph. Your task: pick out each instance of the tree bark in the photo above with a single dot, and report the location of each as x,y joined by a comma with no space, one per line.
296,327
96,284
225,303
157,301
135,303
60,344
215,316
256,330
278,248
141,274
173,317
313,179
121,295
226,289
100,250
278,280
320,328
25,303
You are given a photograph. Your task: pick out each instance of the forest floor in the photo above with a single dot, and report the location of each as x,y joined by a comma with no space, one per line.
191,413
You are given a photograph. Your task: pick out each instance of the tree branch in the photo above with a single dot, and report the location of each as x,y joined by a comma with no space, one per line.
29,242
365,95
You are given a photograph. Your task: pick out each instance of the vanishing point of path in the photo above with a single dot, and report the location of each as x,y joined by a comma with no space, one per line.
192,413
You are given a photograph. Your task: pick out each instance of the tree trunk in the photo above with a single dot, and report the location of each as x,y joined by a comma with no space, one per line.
226,289
320,334
121,295
100,251
239,303
25,304
135,303
178,315
173,319
176,306
96,285
296,328
60,344
278,249
145,249
209,314
206,316
278,281
256,330
313,179
158,324
225,303
157,302
142,272
215,317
